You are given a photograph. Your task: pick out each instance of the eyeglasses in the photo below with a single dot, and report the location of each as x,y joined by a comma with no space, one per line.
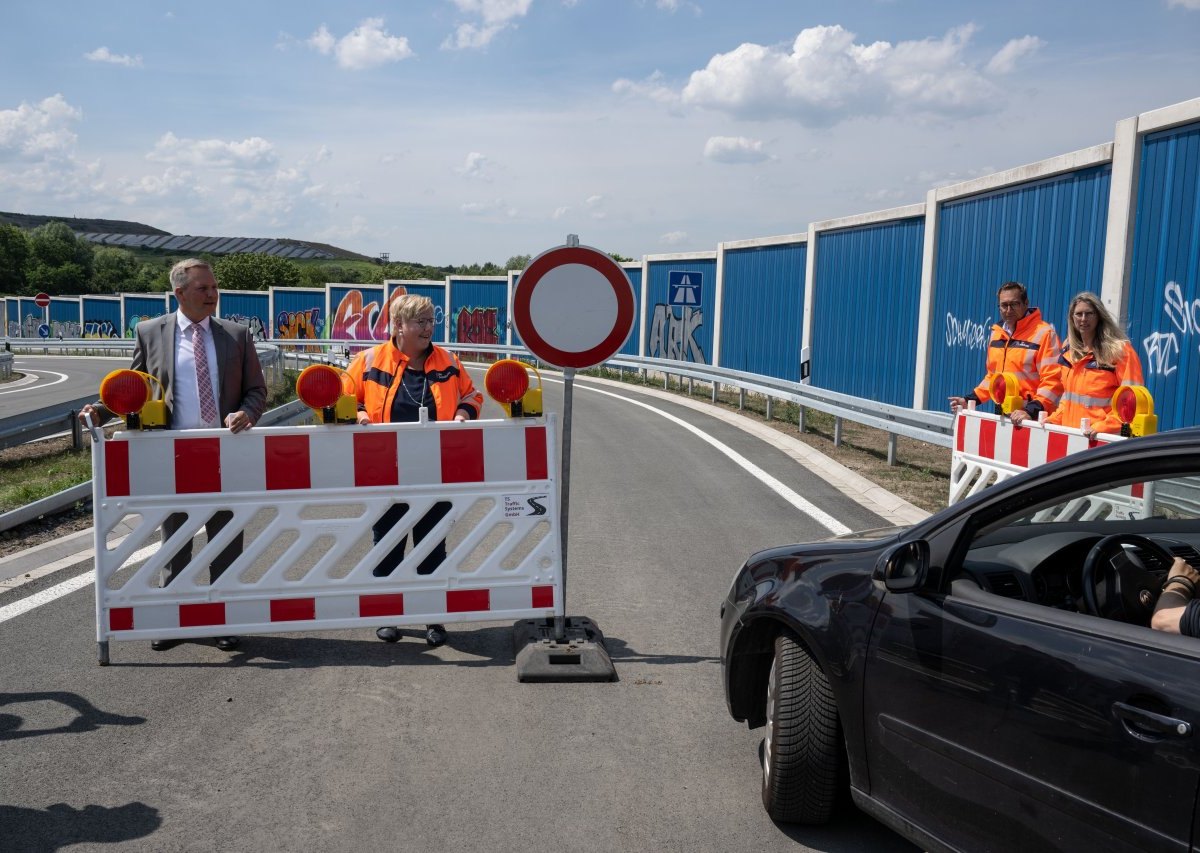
1011,306
423,322
1083,315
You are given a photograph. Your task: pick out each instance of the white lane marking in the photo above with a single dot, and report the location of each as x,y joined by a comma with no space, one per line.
88,578
62,377
788,494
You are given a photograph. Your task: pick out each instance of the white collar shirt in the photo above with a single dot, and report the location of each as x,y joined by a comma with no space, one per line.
185,409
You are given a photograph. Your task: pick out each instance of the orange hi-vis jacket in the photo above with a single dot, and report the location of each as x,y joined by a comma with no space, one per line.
1031,352
377,375
1088,388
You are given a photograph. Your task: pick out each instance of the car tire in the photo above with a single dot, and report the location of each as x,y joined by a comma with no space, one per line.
802,753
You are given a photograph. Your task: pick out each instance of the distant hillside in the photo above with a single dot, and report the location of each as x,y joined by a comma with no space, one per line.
80,226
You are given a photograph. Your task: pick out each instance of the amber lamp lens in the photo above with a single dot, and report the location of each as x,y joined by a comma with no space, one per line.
124,392
319,386
506,381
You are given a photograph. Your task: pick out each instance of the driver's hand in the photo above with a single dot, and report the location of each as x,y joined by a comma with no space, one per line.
1181,568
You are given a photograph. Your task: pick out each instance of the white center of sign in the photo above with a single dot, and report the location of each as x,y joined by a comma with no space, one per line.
573,307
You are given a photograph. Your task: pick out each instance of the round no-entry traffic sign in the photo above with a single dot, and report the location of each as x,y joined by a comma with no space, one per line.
573,306
41,300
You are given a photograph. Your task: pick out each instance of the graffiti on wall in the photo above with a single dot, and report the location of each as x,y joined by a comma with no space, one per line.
253,322
131,323
100,329
476,326
967,333
674,336
65,329
1162,348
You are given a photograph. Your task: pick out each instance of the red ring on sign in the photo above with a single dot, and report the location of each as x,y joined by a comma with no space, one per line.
613,274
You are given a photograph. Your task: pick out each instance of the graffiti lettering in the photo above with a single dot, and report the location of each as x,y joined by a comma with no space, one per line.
255,324
675,337
99,329
1161,350
298,325
1184,315
477,326
966,333
65,329
131,324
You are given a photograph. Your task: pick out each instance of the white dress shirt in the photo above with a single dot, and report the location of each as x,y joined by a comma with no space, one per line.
185,411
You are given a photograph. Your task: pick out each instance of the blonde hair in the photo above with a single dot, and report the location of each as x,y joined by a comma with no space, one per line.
179,272
407,307
1109,342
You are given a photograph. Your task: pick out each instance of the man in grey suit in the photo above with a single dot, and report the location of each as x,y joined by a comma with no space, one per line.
211,377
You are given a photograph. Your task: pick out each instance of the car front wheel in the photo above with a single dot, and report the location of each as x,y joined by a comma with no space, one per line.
803,749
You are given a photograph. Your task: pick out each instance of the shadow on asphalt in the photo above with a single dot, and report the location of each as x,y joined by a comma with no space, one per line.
620,652
88,718
60,825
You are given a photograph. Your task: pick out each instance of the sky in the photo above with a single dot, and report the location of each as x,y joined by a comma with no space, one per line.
465,131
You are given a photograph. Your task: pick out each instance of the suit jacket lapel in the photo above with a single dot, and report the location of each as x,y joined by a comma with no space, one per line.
221,345
167,342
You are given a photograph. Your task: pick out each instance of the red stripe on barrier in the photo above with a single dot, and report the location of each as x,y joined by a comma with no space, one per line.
388,604
543,596
197,465
962,433
1138,490
462,456
116,469
1056,446
120,619
535,454
287,462
1019,450
987,439
293,609
468,600
194,615
375,461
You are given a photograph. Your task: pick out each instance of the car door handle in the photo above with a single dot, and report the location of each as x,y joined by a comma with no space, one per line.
1144,722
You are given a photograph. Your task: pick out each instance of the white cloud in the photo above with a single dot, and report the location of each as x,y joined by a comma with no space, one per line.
103,54
1006,58
495,17
653,88
366,46
254,153
594,200
473,166
486,208
560,212
1194,5
39,130
674,6
673,238
825,77
734,149
387,158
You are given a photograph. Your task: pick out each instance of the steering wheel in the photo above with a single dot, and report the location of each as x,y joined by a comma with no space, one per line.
1116,585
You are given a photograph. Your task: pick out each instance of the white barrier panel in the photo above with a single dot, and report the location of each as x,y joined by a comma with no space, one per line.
304,500
989,449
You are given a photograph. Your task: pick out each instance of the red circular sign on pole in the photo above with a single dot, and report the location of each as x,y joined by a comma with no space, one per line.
573,307
41,300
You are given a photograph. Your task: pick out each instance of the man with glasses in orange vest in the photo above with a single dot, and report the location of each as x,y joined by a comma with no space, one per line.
1025,345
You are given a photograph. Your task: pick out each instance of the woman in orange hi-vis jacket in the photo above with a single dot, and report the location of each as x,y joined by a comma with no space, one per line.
393,382
1096,361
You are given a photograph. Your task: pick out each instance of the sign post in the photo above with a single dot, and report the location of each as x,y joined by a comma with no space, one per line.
573,307
42,300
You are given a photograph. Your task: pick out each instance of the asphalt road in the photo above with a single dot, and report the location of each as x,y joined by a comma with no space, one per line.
56,379
337,741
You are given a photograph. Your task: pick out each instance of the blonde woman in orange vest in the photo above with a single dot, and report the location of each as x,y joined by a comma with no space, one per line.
1096,361
393,382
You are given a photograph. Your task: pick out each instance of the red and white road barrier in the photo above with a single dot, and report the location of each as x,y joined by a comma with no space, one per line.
304,500
988,449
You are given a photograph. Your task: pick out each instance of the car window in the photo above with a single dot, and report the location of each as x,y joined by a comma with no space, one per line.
1173,498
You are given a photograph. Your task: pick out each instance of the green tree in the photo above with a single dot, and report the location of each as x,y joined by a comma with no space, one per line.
114,270
59,262
518,262
14,256
256,272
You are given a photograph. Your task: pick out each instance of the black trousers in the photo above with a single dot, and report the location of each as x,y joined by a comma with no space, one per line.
184,555
420,530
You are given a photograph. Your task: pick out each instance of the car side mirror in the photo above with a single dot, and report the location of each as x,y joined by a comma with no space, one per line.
906,566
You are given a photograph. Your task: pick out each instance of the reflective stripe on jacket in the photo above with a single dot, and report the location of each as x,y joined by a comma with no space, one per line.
377,375
1031,352
1088,387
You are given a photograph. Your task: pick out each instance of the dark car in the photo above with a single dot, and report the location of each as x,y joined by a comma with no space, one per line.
987,679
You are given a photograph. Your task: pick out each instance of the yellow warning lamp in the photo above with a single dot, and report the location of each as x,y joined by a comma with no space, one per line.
127,393
320,387
1135,408
507,382
1006,392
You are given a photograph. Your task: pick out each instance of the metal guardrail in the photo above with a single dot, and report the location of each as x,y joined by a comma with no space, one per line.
6,365
50,420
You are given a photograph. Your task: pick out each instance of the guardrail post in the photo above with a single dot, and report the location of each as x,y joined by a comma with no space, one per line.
800,419
741,398
770,407
892,448
664,380
76,431
690,386
837,432
715,388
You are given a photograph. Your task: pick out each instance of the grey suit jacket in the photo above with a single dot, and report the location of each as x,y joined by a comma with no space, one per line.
240,376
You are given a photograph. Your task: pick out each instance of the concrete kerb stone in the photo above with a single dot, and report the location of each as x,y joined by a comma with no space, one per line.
869,495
